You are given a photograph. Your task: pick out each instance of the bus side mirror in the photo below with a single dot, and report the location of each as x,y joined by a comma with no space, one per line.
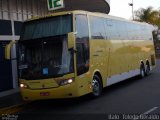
71,40
8,50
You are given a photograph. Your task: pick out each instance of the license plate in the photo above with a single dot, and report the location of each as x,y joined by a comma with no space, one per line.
44,94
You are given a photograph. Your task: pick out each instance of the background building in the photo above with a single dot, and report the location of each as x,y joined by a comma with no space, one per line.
12,14
102,6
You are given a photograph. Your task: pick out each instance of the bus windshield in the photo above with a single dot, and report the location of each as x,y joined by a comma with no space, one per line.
45,54
58,25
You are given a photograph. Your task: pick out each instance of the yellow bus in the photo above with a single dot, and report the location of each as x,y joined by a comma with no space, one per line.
70,54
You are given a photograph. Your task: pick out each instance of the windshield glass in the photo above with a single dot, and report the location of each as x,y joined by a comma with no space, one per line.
43,50
58,25
44,58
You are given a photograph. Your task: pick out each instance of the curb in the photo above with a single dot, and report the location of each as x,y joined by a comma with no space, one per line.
12,109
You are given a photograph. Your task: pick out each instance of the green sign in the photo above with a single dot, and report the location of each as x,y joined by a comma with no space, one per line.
55,4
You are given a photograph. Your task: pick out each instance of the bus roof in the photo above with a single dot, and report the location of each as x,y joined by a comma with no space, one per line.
85,12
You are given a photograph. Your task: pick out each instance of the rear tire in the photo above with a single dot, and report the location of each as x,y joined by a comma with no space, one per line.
96,86
148,69
142,71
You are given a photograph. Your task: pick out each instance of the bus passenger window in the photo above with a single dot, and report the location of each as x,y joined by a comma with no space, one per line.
97,27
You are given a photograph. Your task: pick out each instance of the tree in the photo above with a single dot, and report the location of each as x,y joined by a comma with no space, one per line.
148,15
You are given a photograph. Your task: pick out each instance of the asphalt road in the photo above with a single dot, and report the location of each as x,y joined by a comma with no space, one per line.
134,97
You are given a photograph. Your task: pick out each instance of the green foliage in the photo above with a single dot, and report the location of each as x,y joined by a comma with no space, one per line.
151,16
148,15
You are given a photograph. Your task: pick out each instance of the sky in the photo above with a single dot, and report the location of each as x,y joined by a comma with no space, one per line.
121,8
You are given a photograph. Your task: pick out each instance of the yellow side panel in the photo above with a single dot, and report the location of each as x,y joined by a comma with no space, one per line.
99,58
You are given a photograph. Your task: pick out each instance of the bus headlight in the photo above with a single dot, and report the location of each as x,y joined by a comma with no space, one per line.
65,82
22,85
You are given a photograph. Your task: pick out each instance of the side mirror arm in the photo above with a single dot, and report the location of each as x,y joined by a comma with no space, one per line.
8,49
71,40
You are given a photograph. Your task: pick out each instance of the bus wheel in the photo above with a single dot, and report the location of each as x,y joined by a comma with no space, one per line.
96,86
142,71
147,68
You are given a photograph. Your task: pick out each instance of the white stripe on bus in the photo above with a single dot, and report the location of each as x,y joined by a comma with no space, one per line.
121,77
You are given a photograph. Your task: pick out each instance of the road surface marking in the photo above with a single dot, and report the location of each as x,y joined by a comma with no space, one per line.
149,111
12,109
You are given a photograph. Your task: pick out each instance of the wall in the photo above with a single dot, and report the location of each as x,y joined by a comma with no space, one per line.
21,10
12,15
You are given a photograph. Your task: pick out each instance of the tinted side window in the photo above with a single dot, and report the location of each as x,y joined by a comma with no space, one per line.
111,29
130,31
97,27
82,44
122,31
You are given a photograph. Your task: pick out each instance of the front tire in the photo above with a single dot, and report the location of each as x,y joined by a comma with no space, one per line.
96,86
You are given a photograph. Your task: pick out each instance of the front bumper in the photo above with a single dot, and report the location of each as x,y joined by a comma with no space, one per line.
66,91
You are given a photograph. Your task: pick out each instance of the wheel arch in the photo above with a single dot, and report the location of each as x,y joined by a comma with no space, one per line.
147,62
141,63
98,73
